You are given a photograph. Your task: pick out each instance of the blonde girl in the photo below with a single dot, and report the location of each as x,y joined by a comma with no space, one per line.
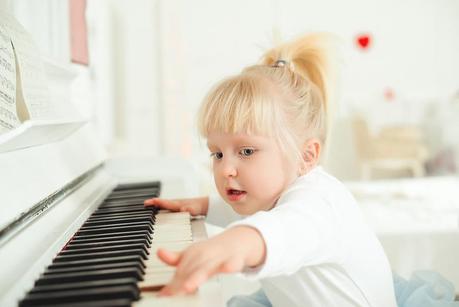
289,224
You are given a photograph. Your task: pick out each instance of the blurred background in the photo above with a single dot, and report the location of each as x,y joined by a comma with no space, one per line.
148,64
140,68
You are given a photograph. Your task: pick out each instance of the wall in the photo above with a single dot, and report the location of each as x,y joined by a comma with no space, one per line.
414,54
153,61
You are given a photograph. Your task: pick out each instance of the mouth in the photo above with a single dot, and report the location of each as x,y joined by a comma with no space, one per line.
235,195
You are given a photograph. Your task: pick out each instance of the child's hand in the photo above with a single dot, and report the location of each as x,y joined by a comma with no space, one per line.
228,252
195,206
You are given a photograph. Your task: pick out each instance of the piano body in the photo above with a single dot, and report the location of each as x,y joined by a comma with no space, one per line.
49,194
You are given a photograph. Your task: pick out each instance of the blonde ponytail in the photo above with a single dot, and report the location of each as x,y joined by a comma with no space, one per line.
309,56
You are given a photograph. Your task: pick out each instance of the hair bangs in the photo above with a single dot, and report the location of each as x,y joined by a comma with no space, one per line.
241,104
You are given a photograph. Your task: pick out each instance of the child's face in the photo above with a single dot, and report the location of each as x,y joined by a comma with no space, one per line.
250,171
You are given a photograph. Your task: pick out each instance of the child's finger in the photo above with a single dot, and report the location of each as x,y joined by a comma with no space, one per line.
174,287
195,277
192,210
162,203
154,201
195,280
168,257
171,289
150,201
180,286
165,291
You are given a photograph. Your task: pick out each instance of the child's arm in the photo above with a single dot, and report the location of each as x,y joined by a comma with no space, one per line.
195,206
229,252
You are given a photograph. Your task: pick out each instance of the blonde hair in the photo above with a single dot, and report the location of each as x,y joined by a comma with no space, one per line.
286,96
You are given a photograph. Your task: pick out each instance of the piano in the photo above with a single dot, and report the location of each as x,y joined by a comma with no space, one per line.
74,232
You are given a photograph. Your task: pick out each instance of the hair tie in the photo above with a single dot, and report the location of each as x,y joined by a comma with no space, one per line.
280,63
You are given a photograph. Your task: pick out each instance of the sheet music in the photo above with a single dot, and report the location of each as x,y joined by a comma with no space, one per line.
30,73
8,115
23,92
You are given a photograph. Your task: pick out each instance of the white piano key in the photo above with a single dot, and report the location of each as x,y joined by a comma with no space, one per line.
166,226
175,246
153,282
150,299
175,229
171,237
173,216
159,269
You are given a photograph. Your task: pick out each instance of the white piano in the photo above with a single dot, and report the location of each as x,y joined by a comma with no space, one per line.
48,192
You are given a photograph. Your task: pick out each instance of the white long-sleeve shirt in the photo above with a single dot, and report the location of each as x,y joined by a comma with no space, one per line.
319,249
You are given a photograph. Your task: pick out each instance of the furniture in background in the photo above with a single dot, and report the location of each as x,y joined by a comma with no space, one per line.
394,148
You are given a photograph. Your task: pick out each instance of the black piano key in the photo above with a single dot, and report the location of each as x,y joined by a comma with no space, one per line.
119,213
131,201
108,211
133,252
114,234
104,283
120,302
117,217
147,192
116,225
152,190
98,249
37,299
120,216
137,185
112,237
107,230
122,188
131,205
127,196
96,261
83,245
138,205
145,224
128,202
89,275
107,266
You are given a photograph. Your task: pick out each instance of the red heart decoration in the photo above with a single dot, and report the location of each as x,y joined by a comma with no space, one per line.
363,41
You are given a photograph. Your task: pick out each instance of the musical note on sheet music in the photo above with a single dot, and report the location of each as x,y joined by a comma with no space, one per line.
8,115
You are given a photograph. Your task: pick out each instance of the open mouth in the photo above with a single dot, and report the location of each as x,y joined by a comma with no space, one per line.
235,195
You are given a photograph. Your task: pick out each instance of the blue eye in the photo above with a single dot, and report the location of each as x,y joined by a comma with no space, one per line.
247,152
217,155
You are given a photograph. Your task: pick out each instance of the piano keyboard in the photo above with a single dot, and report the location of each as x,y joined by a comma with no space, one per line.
112,257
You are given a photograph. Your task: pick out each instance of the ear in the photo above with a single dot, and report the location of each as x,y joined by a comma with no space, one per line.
311,153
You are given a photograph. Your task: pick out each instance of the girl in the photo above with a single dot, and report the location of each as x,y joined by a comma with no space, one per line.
296,228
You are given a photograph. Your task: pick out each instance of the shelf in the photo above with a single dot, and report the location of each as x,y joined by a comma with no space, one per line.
37,132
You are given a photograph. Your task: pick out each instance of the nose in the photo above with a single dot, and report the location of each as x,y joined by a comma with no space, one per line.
228,168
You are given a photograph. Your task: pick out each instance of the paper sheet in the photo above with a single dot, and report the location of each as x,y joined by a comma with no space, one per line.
22,76
8,115
31,74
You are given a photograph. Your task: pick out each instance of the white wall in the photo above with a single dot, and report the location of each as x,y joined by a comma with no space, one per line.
414,53
153,61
